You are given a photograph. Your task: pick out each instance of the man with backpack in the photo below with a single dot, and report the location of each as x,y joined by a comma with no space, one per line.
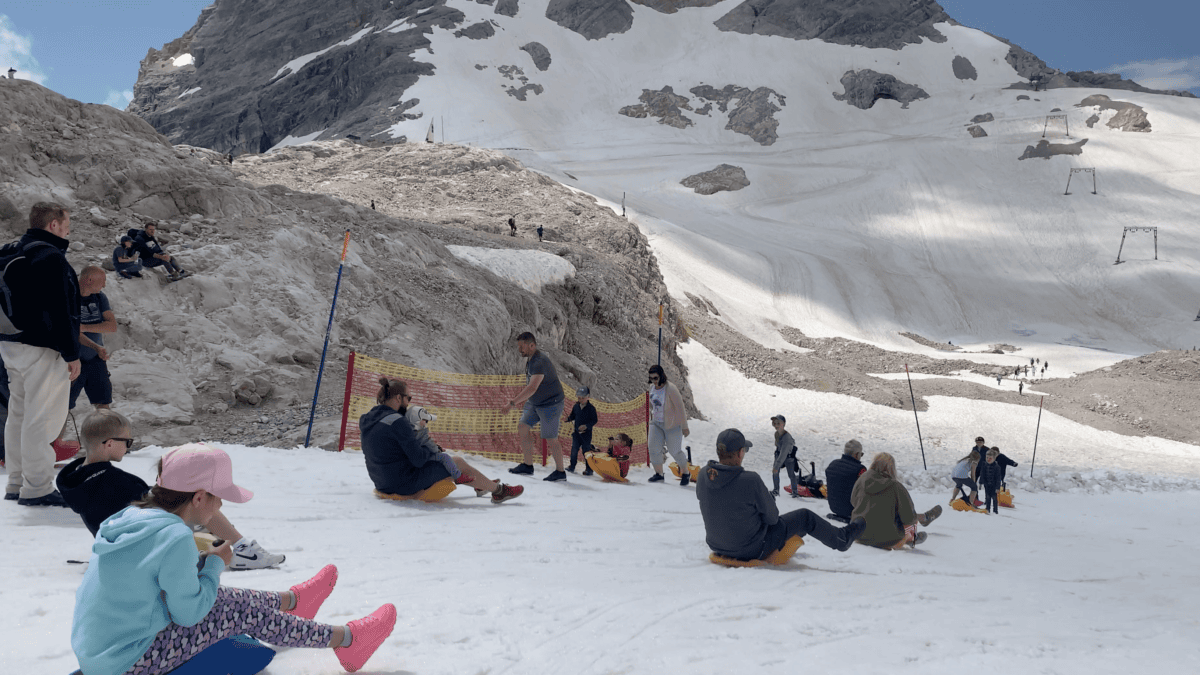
153,254
41,308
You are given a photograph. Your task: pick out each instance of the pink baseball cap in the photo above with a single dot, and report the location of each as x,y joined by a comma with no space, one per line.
197,466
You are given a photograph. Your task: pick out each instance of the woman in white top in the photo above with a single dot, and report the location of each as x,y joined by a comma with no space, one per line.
668,426
962,477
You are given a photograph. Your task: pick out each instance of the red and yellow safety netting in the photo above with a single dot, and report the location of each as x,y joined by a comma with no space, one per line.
468,410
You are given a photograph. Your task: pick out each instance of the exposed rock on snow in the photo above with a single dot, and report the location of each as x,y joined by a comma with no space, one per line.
1129,117
672,6
479,31
520,93
665,105
976,131
1045,149
1091,121
864,87
754,113
888,24
507,7
724,177
540,55
980,119
593,19
963,68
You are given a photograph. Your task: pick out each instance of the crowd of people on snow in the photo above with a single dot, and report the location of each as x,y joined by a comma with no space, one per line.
150,599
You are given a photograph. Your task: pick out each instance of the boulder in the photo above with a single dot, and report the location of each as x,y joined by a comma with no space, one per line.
725,177
864,87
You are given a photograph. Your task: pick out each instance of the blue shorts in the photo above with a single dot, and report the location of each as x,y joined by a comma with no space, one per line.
548,416
93,379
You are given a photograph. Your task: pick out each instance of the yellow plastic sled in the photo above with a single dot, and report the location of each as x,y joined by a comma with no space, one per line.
1005,498
434,493
960,505
779,557
692,469
606,466
204,541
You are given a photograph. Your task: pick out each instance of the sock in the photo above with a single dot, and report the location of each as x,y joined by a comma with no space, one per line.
347,639
285,605
242,542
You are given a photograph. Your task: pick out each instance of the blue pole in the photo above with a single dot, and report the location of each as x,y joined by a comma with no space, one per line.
328,329
660,313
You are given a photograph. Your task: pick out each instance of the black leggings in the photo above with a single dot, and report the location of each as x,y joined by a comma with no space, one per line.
800,522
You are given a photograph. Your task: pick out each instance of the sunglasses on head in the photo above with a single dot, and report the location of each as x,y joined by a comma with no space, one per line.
128,441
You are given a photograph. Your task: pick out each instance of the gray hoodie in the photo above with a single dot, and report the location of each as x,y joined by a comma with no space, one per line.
784,447
737,510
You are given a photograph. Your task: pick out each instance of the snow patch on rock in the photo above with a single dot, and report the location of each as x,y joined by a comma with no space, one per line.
531,270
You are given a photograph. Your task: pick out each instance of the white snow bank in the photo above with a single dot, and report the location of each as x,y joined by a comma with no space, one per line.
183,60
297,140
532,270
297,63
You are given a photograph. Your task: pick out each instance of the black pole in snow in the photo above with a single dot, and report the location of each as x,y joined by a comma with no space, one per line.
914,402
1035,436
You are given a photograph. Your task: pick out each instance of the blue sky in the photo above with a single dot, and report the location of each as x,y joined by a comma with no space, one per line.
90,49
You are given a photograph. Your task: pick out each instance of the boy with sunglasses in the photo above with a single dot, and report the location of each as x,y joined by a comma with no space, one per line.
95,489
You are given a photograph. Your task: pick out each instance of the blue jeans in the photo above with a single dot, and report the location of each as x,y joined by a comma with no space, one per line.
548,416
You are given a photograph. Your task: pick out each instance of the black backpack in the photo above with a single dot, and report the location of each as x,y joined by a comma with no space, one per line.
15,312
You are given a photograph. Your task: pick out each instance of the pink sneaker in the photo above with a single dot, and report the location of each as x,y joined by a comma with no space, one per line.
312,593
507,492
366,634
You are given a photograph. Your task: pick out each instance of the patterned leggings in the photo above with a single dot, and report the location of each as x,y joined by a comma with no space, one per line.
236,611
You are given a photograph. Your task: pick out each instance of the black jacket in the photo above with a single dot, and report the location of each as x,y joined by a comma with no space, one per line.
396,461
54,289
990,475
146,245
97,491
840,477
1004,462
583,416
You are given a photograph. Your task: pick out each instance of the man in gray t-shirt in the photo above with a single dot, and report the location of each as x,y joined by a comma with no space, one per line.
542,399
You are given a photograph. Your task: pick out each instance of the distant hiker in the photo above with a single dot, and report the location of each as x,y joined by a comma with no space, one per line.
1043,371
47,309
125,259
231,158
997,380
397,462
95,489
785,456
372,204
1017,371
883,502
539,231
149,601
512,226
962,478
1045,365
840,476
1021,388
583,418
542,404
741,520
1026,371
1031,362
990,478
153,255
95,317
668,426
1038,360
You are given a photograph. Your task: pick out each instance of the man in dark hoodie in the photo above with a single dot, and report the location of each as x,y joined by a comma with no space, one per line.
741,520
39,380
840,476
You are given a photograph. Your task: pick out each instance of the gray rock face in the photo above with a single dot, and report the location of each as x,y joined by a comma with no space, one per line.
479,31
1027,65
539,53
519,94
1129,117
980,119
1091,121
507,7
1022,97
665,104
672,6
865,87
593,19
1045,149
754,115
752,111
888,24
723,178
1088,78
976,131
964,69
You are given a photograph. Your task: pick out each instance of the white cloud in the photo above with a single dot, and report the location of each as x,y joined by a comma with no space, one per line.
1163,73
118,99
16,51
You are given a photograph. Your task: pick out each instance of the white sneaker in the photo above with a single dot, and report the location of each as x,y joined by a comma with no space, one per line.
254,557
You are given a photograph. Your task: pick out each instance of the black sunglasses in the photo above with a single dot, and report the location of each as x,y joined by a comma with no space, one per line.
128,441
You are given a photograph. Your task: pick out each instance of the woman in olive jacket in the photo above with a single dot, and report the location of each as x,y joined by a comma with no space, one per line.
885,504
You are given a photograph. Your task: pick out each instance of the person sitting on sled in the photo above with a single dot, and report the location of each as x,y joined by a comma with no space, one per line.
741,520
149,601
840,476
619,448
883,501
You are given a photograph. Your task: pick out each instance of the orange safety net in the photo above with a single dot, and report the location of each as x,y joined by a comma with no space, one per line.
468,410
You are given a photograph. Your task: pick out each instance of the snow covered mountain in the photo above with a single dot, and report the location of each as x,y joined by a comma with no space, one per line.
886,169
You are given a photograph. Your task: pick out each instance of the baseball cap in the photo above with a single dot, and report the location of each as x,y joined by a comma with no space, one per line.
583,391
733,440
198,466
979,439
781,418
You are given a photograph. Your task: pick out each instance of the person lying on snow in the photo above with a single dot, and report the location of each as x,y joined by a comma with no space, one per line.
741,520
884,502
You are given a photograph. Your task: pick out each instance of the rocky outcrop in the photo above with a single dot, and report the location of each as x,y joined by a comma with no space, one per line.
540,55
672,6
723,178
593,19
1129,117
1029,66
1045,149
985,117
520,93
887,24
963,68
1091,121
479,31
753,114
664,104
1087,78
507,7
864,87
976,131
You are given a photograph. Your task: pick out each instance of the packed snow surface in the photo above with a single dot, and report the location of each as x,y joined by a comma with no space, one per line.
532,270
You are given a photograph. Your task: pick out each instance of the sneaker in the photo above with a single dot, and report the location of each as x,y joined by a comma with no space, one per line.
463,479
919,539
52,499
507,492
522,470
850,533
312,593
685,479
555,476
775,493
588,471
571,469
251,556
656,478
366,634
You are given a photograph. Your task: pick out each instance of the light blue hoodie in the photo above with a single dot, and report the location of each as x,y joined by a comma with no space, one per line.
142,576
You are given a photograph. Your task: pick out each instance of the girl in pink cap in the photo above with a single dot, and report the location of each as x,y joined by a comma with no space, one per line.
150,601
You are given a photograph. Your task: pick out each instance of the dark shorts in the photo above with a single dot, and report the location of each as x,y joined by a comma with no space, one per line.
93,378
968,482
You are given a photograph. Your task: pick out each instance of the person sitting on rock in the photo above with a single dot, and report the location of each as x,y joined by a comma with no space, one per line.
153,254
125,259
95,489
396,460
884,502
741,520
840,476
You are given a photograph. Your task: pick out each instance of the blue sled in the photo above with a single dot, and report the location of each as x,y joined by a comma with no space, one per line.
239,655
